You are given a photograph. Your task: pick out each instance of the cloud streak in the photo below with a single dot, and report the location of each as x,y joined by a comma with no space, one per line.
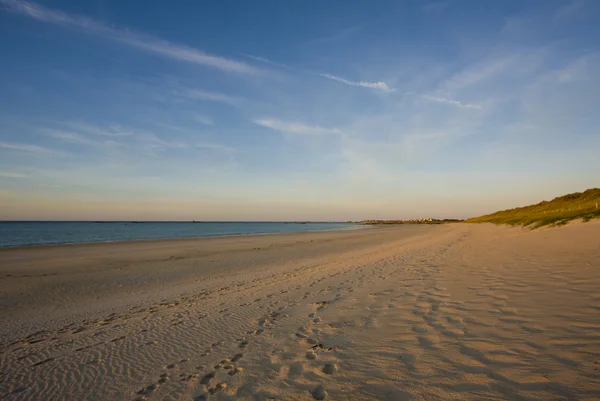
270,62
23,147
73,137
198,94
211,146
86,134
296,128
435,7
140,41
373,85
451,102
10,174
203,119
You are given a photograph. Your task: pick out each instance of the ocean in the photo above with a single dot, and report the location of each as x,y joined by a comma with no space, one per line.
30,233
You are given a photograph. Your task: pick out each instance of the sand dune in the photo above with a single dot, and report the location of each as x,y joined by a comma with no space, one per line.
452,312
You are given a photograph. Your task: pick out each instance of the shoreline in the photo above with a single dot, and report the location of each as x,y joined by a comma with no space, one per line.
190,238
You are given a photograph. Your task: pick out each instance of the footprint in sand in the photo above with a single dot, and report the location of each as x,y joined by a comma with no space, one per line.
420,329
218,387
148,390
330,368
163,378
235,371
319,393
208,377
321,305
426,342
310,354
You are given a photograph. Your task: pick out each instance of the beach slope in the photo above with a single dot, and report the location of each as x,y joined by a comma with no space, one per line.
457,311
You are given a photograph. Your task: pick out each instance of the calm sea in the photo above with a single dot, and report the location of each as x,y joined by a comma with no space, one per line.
20,233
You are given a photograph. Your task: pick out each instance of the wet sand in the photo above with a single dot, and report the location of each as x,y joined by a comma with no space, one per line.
465,312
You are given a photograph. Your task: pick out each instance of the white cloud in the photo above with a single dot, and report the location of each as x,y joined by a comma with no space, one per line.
11,174
211,96
476,73
373,85
143,42
73,137
132,138
451,101
578,70
296,128
435,7
203,119
218,147
23,147
86,134
114,131
498,65
337,36
570,9
267,61
154,141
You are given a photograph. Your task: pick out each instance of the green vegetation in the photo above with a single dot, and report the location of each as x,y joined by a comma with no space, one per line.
558,211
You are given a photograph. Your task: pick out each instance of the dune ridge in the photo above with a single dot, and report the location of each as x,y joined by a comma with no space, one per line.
559,211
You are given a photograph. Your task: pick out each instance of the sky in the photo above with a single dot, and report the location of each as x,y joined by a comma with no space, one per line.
295,110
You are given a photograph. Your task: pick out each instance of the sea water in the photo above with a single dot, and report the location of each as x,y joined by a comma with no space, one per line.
28,233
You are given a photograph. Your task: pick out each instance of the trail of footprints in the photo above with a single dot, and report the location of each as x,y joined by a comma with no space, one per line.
45,342
309,336
37,344
212,378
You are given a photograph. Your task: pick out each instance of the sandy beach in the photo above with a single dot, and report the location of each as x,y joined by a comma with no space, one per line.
416,312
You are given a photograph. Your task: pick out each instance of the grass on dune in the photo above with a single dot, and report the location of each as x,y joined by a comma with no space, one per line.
558,211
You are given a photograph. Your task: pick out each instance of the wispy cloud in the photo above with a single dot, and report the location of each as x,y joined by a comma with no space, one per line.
105,137
11,174
198,94
23,147
451,102
373,85
113,131
218,147
267,61
337,36
570,9
155,141
203,119
296,128
483,71
68,137
435,7
73,137
130,139
137,40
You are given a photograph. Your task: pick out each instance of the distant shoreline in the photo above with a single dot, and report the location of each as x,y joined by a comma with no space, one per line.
343,227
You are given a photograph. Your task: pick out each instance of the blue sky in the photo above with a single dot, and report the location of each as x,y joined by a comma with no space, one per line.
295,110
